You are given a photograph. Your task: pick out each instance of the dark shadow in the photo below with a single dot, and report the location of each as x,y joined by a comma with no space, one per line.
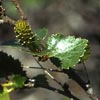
9,66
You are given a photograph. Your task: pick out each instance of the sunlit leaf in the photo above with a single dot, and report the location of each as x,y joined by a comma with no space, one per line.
67,49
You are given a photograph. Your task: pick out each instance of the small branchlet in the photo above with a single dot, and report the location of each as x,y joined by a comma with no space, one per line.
19,9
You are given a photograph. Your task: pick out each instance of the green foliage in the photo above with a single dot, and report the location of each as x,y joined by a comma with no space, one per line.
4,95
18,81
87,53
68,49
41,33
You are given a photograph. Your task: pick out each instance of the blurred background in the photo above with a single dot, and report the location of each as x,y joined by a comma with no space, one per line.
69,17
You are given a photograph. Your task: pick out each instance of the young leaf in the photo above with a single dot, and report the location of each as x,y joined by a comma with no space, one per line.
67,49
18,81
41,33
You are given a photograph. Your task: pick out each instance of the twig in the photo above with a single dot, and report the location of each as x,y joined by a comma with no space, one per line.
88,81
49,69
44,69
90,92
0,1
66,91
6,19
72,75
19,9
9,20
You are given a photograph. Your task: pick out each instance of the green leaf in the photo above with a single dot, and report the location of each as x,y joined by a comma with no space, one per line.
67,98
41,33
18,81
67,49
4,95
86,54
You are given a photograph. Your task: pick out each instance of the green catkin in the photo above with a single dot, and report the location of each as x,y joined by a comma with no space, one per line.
25,35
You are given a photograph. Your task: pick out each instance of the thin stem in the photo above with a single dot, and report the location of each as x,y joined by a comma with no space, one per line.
90,92
49,69
43,68
88,82
19,9
9,20
66,91
6,19
47,73
91,95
